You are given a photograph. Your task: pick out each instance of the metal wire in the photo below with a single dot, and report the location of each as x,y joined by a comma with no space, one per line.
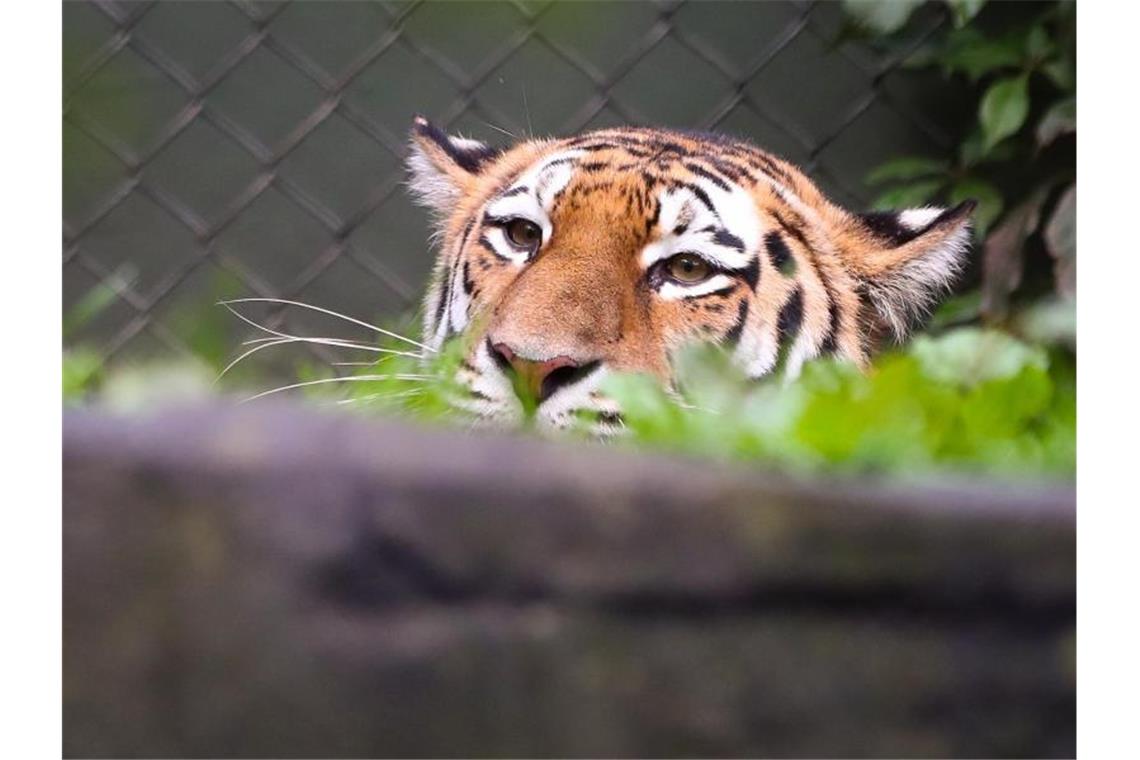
198,90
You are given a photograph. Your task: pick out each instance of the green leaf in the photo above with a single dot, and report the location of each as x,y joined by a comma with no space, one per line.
972,151
909,195
82,370
95,301
1062,72
881,16
1050,321
1060,119
1038,46
958,310
989,198
964,10
972,355
970,52
906,168
1003,109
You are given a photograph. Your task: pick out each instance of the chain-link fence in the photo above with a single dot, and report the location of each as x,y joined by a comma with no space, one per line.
255,148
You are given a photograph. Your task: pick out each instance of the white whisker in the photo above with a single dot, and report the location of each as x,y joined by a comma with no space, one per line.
349,379
385,396
265,343
331,313
335,342
500,129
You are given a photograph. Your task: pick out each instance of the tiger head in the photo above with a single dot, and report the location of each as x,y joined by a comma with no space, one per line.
561,260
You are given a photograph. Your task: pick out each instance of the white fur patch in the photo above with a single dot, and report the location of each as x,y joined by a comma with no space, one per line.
498,400
542,183
735,213
558,411
670,291
430,186
915,219
497,237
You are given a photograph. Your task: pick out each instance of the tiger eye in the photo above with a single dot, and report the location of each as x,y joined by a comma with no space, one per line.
524,234
688,268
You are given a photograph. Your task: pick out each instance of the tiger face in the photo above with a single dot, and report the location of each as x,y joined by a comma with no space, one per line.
562,260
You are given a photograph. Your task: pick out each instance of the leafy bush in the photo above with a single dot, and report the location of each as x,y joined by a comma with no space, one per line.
1017,156
971,399
992,389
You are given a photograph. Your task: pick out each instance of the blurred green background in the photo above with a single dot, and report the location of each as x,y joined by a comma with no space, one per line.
231,149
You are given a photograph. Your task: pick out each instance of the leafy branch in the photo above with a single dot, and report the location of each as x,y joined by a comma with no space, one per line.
1016,156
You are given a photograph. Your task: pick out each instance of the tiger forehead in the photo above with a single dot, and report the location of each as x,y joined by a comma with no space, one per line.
616,178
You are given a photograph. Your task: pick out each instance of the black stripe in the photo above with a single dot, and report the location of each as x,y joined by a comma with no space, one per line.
515,191
594,146
468,286
778,251
444,297
471,158
886,225
728,240
651,222
733,335
791,315
610,418
559,161
728,169
700,171
751,273
769,167
470,225
701,196
828,344
445,285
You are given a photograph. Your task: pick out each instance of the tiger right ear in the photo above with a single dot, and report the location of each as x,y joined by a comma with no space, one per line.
442,166
907,259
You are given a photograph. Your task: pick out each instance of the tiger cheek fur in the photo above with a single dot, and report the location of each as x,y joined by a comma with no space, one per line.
563,260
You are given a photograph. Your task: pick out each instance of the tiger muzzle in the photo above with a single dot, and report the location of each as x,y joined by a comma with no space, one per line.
539,379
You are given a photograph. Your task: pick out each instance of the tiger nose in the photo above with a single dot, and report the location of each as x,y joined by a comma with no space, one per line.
541,379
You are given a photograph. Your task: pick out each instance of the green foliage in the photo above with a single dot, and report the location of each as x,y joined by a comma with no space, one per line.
82,372
971,400
1003,109
881,16
995,400
1018,63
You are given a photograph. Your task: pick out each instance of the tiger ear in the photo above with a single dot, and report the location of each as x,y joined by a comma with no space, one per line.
910,258
442,167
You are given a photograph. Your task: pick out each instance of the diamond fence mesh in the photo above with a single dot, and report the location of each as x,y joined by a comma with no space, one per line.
255,148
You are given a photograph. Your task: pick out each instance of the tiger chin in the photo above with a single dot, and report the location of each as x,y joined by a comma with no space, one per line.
563,260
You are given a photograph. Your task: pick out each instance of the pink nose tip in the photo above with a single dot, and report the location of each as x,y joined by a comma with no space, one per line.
540,378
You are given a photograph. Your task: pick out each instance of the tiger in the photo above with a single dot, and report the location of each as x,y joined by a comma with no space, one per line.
563,260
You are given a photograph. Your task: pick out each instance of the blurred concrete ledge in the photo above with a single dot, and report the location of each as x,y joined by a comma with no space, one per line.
273,581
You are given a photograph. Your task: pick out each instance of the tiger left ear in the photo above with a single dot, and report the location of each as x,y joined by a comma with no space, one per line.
908,259
442,166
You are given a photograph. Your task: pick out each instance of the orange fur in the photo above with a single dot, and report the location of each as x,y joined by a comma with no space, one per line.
587,295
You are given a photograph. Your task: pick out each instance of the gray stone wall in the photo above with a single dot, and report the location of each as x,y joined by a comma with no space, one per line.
276,582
